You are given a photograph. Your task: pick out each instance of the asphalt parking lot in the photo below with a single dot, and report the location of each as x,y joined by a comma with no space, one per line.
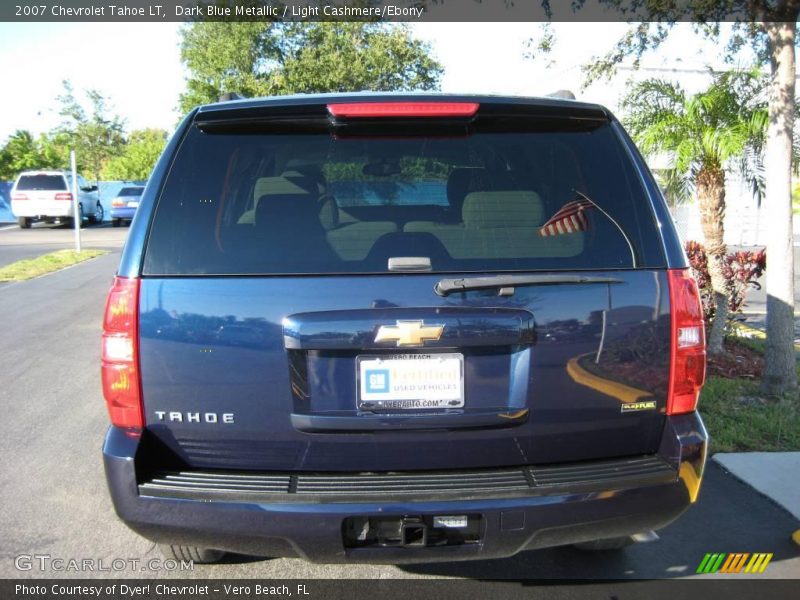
54,497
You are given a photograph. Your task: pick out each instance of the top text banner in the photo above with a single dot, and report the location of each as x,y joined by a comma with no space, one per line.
371,10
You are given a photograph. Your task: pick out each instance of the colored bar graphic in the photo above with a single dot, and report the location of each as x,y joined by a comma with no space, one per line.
758,563
703,564
734,562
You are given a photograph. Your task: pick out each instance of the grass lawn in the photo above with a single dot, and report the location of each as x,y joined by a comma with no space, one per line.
33,267
738,419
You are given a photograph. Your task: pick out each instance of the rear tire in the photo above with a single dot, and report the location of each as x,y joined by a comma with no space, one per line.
24,223
193,553
99,214
617,543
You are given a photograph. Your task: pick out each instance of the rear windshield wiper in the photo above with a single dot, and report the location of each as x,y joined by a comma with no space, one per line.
506,283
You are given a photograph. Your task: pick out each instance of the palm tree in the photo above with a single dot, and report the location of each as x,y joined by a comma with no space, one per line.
706,136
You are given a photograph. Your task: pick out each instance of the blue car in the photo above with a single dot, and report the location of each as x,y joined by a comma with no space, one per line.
125,204
401,328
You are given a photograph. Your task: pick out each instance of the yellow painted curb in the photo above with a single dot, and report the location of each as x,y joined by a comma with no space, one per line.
751,331
620,391
796,537
756,333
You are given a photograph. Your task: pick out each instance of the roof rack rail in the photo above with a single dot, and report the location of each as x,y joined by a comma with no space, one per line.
228,96
564,94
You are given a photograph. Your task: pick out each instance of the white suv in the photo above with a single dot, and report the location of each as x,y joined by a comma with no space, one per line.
47,196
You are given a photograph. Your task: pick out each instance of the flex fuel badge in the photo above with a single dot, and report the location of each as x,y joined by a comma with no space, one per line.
637,406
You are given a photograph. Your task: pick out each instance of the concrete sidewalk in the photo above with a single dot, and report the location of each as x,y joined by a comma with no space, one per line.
774,474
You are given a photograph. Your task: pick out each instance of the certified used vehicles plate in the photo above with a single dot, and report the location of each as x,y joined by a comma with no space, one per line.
411,381
133,204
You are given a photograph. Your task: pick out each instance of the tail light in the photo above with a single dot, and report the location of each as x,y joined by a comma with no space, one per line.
19,197
403,109
120,354
688,347
117,202
64,196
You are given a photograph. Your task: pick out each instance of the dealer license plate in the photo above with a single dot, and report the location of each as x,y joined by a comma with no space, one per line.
411,381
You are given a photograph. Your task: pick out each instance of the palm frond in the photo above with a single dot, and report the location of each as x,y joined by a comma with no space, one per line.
751,168
677,186
724,126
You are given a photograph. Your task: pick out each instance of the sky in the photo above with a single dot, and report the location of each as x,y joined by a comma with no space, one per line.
138,68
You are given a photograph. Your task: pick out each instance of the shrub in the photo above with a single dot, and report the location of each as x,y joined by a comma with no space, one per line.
740,269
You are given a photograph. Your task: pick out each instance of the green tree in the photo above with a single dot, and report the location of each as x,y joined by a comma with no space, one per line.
345,57
54,147
96,137
138,157
226,57
22,152
258,59
704,136
19,153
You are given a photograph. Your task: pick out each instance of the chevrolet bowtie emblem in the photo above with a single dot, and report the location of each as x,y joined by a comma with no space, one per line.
409,333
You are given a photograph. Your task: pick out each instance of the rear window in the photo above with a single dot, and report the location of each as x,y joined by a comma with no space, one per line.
130,191
544,198
44,183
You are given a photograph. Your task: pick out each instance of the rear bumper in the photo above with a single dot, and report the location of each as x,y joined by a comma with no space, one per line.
32,209
264,523
122,213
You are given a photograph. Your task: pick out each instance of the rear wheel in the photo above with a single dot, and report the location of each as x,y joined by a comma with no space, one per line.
99,214
193,553
24,222
616,543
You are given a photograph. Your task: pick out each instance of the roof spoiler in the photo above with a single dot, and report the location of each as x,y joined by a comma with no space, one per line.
563,94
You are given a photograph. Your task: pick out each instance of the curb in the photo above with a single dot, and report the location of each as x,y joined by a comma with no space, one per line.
66,268
761,313
795,535
754,332
760,471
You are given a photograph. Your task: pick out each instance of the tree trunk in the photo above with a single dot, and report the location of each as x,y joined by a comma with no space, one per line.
710,185
780,376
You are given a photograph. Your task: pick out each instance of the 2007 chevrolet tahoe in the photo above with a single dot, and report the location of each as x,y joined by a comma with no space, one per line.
401,328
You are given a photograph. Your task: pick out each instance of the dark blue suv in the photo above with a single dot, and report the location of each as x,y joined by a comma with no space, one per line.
399,328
